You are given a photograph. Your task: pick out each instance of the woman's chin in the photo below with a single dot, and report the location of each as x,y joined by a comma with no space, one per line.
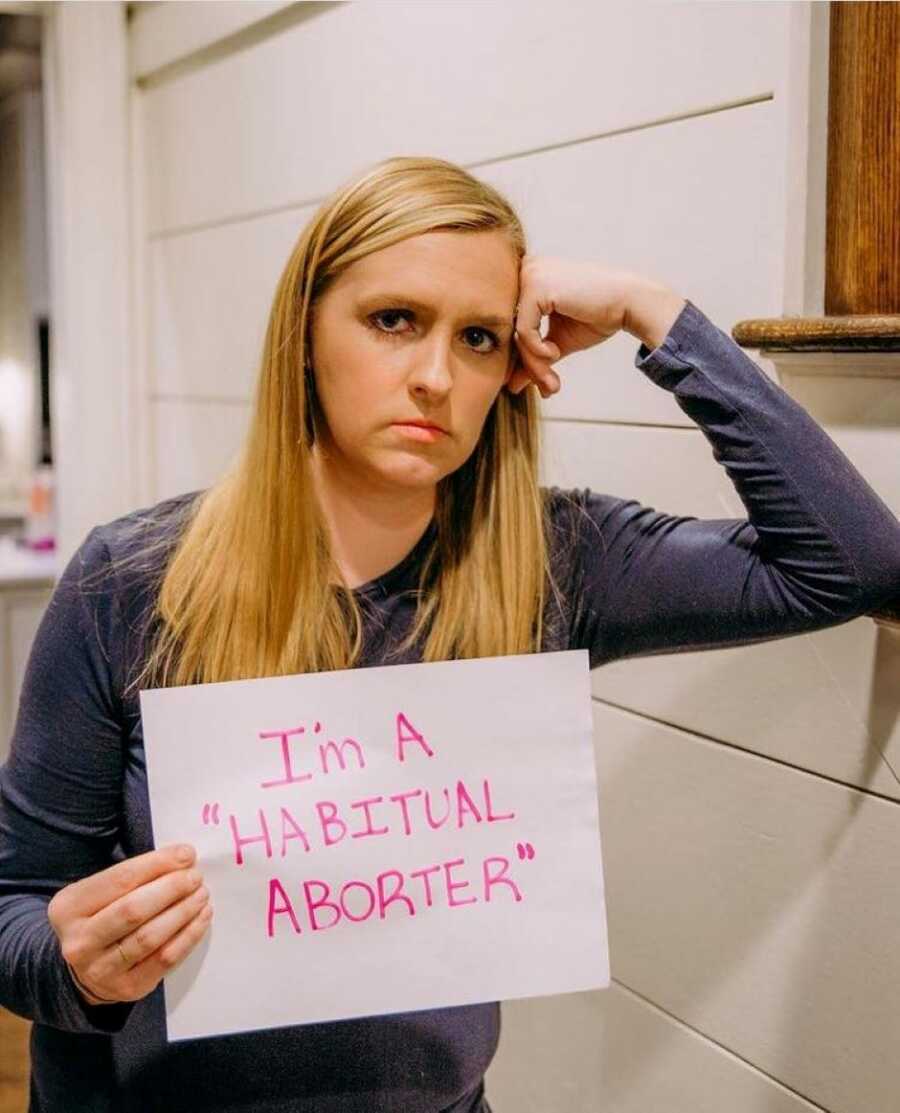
411,472
405,469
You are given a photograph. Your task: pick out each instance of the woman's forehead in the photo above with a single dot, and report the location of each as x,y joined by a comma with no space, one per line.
479,272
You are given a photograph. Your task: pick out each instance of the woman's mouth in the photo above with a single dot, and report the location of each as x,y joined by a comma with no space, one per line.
424,433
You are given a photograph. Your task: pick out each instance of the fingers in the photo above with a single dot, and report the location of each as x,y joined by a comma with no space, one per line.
533,367
528,329
179,929
90,894
152,908
173,951
518,380
535,352
159,932
136,909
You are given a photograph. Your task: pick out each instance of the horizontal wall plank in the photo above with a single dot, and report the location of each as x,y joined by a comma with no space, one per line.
862,415
758,904
210,296
161,34
609,1050
802,700
299,125
672,469
193,443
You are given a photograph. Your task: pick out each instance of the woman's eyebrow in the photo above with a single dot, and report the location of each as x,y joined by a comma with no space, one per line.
500,320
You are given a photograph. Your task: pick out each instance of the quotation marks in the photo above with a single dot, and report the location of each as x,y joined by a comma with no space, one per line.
525,850
211,815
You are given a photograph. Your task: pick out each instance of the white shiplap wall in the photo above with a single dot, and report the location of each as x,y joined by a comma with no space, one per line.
749,842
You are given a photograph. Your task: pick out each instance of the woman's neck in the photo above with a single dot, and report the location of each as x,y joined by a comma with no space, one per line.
371,527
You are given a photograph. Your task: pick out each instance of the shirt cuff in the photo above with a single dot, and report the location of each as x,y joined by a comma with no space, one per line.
665,358
101,1018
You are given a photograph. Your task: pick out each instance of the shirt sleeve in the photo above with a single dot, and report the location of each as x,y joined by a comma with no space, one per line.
818,547
60,793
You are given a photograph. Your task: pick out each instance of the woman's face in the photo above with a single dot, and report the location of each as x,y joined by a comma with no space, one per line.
421,331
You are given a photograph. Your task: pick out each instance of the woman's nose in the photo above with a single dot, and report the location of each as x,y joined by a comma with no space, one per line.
432,373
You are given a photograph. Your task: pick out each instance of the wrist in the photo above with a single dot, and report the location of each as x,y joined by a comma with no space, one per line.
90,997
650,311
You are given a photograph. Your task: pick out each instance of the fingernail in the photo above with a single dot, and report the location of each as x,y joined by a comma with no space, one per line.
184,853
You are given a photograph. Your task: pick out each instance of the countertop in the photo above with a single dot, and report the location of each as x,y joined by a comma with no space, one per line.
21,567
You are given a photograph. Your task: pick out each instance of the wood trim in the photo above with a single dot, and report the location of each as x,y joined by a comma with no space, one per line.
862,270
86,80
888,617
862,333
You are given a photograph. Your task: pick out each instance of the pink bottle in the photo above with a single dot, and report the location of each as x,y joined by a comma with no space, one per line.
40,518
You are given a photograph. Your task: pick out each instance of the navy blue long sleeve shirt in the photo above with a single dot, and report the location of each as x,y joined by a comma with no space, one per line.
818,548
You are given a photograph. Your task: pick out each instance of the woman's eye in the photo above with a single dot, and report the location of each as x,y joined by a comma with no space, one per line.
388,313
391,315
495,343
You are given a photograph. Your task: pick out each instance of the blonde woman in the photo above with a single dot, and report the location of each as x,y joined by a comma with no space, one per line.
385,507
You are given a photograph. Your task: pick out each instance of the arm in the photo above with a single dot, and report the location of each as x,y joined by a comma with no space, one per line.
818,547
60,795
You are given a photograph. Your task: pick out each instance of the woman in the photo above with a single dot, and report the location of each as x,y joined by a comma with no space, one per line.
385,508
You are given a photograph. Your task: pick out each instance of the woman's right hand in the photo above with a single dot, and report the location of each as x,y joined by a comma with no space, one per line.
121,930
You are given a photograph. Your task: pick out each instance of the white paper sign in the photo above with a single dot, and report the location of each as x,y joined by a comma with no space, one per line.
382,840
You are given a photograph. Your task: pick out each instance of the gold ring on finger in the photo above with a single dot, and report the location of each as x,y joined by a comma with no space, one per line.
126,961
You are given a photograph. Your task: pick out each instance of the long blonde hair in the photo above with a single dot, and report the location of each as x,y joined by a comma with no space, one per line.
248,587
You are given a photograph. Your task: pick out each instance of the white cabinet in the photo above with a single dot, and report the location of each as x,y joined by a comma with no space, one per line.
21,609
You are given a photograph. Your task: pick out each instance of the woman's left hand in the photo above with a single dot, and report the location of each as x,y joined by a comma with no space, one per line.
586,304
